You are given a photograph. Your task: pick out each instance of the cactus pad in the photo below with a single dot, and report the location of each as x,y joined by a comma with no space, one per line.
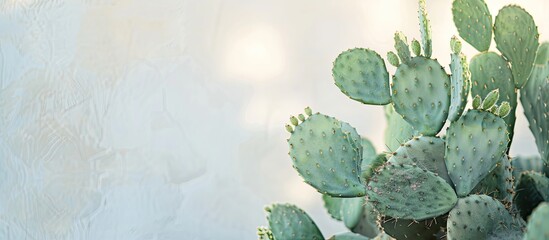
531,163
534,99
481,217
402,48
327,154
473,22
368,157
398,130
367,225
421,94
475,143
516,37
348,210
368,153
537,224
361,74
410,229
290,222
416,47
425,29
499,182
532,189
333,206
490,71
425,152
392,58
409,192
461,81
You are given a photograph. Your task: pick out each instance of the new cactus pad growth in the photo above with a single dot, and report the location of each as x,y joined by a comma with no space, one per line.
462,183
460,80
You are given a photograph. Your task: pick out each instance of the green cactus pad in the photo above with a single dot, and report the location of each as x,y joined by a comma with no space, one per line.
490,100
516,37
532,189
410,229
392,58
398,131
425,152
368,153
402,48
327,154
348,236
416,47
461,81
361,74
499,182
367,225
348,210
409,192
455,45
351,211
537,224
368,157
476,102
421,94
473,22
481,217
425,29
355,139
474,145
264,233
288,222
534,99
490,71
503,110
333,206
528,163
542,55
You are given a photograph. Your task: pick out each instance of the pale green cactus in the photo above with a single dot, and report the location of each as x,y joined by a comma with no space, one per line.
427,184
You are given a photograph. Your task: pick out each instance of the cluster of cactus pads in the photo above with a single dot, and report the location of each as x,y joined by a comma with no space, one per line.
460,184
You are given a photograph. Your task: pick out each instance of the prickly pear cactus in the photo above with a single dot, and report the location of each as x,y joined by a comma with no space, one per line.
490,71
425,152
328,154
409,192
475,144
499,182
287,221
516,36
473,22
481,217
412,83
537,225
532,189
534,100
460,81
462,183
412,229
361,74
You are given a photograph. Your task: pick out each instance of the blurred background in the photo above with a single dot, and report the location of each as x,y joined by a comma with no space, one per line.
139,119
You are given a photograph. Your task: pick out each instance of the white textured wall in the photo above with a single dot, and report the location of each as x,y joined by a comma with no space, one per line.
141,119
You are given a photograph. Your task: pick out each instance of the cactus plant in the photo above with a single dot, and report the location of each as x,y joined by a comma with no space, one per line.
459,184
537,228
